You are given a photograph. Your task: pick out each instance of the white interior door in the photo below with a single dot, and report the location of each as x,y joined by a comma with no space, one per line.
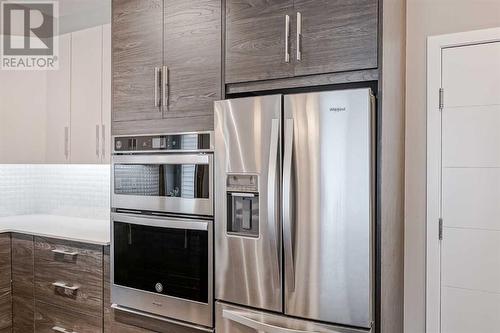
470,189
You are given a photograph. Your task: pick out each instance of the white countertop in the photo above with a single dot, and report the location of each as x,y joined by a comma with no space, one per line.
62,227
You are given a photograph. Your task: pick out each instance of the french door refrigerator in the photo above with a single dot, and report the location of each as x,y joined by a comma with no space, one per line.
294,222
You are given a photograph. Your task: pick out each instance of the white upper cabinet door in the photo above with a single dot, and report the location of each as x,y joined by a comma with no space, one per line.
106,145
58,106
86,95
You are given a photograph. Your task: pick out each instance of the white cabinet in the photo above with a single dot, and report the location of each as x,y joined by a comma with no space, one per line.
86,65
79,99
57,145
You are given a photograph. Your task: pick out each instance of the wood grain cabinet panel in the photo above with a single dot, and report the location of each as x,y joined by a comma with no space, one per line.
337,35
5,283
76,268
192,53
137,40
255,40
23,297
48,317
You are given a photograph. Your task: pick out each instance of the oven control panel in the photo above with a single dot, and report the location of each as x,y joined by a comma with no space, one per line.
164,142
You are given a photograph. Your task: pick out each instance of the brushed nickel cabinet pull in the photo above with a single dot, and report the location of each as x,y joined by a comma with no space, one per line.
165,85
64,286
97,140
62,330
66,142
287,37
299,36
103,150
157,86
65,253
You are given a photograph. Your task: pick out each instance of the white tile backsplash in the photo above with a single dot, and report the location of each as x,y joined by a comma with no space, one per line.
69,190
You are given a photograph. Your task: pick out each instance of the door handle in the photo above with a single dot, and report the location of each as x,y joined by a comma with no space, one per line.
165,86
271,198
246,319
287,37
287,206
299,36
157,86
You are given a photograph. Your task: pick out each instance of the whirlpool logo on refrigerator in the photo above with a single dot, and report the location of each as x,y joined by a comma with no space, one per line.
29,35
338,109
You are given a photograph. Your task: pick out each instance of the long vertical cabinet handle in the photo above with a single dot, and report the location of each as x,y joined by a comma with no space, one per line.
287,206
287,38
299,36
157,86
66,142
97,140
165,86
272,189
103,150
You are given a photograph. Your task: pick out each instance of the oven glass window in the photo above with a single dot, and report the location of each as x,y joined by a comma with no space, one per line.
165,261
163,180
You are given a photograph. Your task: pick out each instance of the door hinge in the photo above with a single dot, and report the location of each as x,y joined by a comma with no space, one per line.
440,228
441,99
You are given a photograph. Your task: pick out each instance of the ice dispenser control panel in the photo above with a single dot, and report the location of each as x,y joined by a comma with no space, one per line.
243,205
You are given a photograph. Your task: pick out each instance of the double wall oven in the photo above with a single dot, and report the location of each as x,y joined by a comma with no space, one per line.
162,226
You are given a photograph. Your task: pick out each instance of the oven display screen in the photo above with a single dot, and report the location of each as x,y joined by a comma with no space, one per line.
165,261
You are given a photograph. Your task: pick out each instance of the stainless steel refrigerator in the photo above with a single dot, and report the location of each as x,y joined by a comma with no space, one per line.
294,213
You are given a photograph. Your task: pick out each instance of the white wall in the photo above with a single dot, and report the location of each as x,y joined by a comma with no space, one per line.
426,18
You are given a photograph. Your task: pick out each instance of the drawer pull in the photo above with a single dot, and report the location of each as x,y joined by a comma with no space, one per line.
65,286
65,253
62,330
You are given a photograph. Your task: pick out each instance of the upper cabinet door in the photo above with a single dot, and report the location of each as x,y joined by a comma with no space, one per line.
106,95
256,40
86,66
192,57
335,35
137,51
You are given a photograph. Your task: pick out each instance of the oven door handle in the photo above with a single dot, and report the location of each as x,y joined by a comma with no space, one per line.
198,158
162,222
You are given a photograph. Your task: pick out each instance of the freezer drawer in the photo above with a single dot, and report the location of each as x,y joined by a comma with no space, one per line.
235,319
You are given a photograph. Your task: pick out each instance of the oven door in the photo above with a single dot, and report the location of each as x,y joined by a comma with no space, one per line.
173,183
163,266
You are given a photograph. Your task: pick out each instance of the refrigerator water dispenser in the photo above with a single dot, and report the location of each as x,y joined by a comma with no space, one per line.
242,205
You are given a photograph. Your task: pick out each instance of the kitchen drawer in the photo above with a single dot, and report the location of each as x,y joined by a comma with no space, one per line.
52,319
77,273
70,255
83,291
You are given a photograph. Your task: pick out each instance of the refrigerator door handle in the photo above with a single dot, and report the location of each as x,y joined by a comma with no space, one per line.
271,199
287,206
246,319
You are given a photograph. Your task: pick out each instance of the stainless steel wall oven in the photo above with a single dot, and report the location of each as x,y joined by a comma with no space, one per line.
162,226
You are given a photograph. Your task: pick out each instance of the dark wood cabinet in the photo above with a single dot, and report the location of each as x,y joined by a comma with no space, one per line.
180,39
23,295
137,44
256,33
192,54
335,35
324,36
5,283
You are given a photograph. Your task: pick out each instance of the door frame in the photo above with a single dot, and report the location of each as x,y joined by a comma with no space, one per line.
435,46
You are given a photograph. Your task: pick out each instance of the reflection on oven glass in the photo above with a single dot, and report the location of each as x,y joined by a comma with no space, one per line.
164,180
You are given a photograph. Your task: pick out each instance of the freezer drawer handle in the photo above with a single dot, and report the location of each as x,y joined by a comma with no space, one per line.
244,319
